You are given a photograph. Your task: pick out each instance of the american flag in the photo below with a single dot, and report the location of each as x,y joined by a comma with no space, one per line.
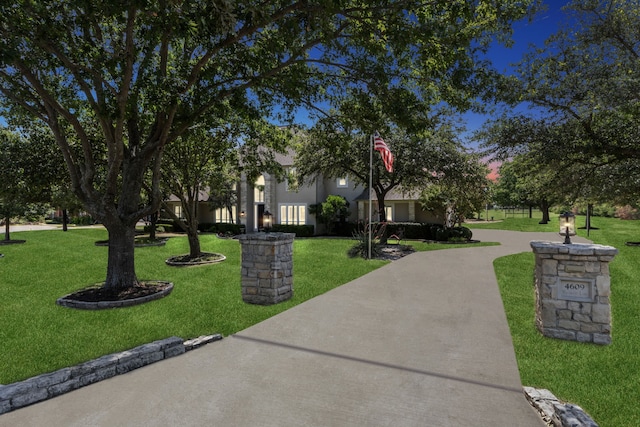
381,146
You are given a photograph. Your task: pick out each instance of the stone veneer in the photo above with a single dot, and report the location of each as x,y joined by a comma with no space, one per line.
573,286
267,267
46,386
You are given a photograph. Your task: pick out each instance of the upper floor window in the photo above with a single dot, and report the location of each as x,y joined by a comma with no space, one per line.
342,182
258,195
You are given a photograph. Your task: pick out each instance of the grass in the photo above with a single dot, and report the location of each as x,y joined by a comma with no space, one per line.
601,379
38,336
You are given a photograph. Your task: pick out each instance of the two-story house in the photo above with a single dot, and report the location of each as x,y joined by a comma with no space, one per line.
290,203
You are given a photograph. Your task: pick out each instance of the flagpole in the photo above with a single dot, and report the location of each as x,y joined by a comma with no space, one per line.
370,183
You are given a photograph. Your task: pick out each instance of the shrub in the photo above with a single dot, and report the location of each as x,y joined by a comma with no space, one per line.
627,212
167,224
299,230
345,229
411,230
205,226
82,220
440,233
361,235
159,228
225,228
460,233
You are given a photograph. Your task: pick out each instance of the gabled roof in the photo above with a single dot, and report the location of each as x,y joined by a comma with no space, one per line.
396,194
203,196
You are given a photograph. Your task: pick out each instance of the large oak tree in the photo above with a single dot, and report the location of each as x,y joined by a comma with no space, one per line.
116,81
585,86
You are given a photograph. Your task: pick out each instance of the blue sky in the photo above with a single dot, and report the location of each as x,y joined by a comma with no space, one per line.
525,34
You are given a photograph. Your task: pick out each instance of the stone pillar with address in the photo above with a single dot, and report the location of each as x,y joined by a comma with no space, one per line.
573,286
267,267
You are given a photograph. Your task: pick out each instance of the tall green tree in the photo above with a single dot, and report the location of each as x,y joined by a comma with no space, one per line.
460,191
337,148
585,86
27,169
121,80
201,161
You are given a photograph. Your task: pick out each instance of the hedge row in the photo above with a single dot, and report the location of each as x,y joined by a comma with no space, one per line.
408,230
426,231
299,230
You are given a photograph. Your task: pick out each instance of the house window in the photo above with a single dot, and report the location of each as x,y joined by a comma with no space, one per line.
388,212
222,215
342,182
259,190
293,214
177,211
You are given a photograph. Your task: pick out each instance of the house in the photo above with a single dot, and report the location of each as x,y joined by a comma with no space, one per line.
290,203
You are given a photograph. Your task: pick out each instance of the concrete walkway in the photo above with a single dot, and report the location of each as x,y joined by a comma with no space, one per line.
422,341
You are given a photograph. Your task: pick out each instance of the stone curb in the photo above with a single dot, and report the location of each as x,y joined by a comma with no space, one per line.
69,301
42,387
556,413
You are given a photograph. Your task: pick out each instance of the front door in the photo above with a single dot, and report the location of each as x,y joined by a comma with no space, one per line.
260,216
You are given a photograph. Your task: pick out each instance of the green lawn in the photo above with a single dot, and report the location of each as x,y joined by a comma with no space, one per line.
604,380
38,336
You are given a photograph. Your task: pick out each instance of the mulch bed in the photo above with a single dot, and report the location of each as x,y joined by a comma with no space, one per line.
95,294
186,260
99,298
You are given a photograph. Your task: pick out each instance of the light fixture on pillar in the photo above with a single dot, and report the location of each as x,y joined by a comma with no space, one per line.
242,214
267,221
567,226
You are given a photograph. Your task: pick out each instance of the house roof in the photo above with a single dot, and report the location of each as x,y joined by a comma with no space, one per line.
203,196
285,159
394,194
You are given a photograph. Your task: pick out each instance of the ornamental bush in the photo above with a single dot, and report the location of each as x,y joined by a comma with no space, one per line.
298,230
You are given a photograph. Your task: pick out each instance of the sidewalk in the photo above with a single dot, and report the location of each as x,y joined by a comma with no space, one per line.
422,341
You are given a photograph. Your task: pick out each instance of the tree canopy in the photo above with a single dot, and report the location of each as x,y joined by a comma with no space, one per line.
339,146
28,172
585,86
117,81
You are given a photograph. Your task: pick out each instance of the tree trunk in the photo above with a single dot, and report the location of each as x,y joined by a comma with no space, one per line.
194,241
65,220
544,207
121,272
6,229
231,220
153,220
587,223
382,214
191,215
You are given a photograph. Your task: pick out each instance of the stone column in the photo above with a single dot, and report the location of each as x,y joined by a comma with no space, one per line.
573,286
267,267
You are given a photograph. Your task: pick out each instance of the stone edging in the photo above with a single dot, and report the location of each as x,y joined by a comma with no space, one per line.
196,264
68,301
42,387
556,413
